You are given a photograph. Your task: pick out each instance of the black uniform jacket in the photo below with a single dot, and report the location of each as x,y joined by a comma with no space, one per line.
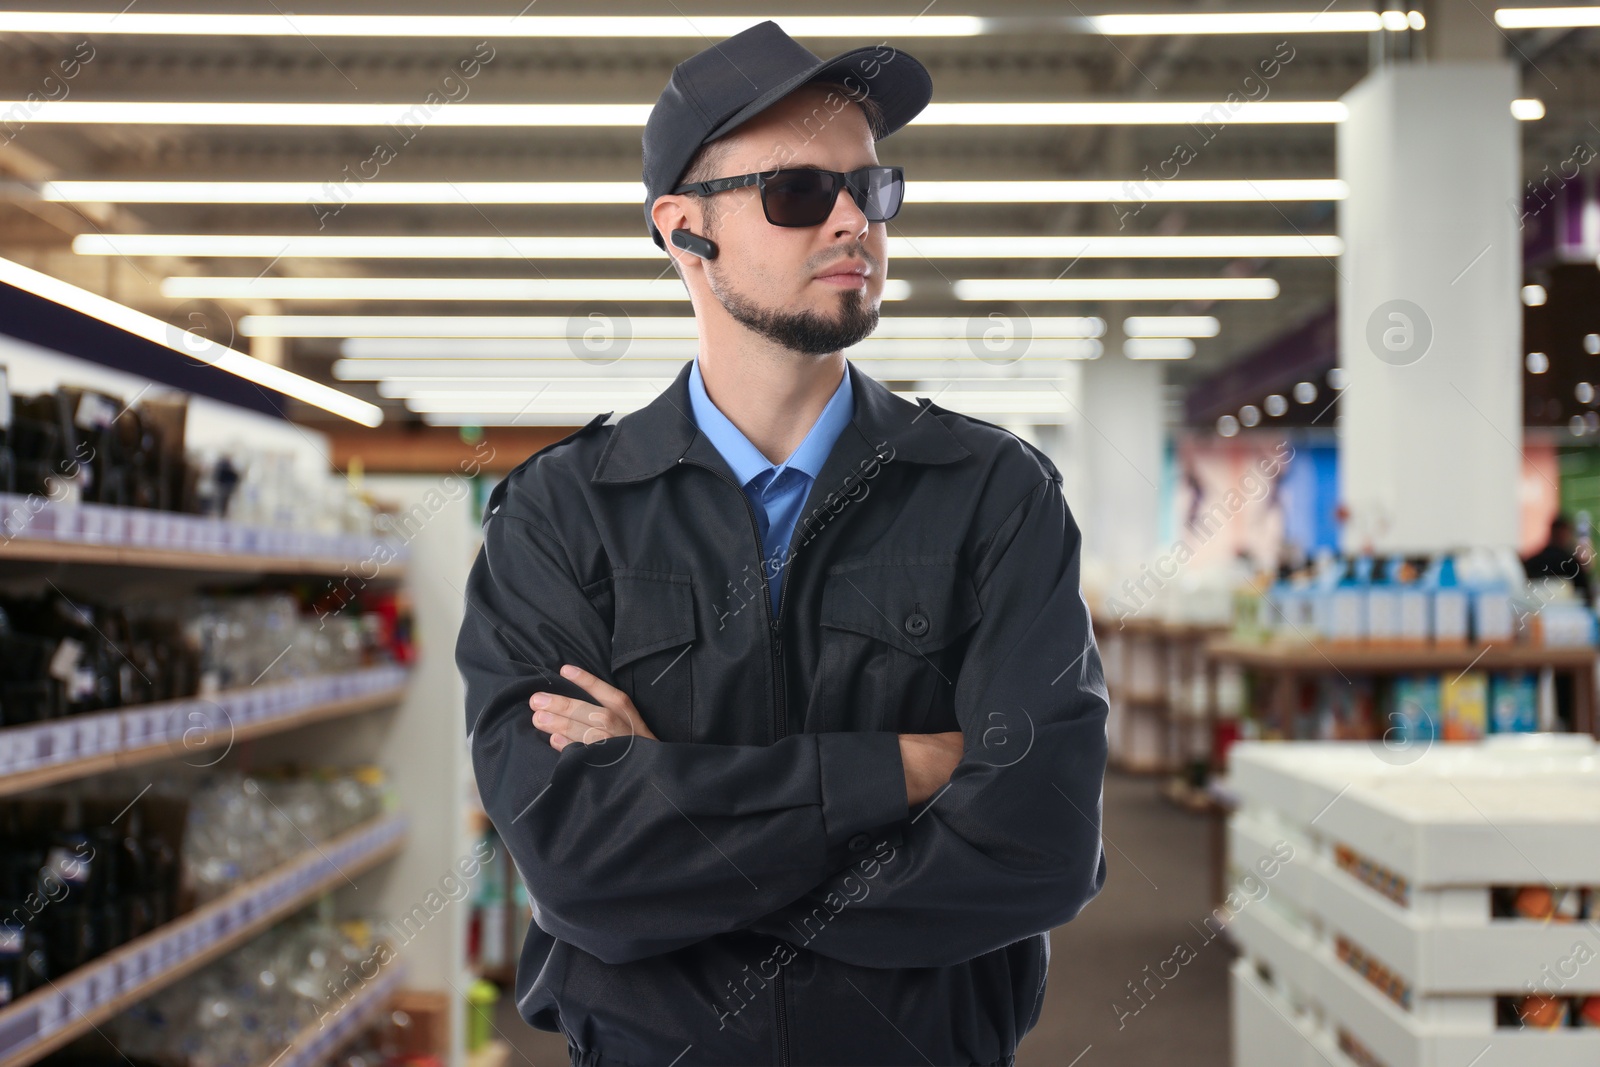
750,887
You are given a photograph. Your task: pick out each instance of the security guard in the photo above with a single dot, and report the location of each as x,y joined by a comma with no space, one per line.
781,690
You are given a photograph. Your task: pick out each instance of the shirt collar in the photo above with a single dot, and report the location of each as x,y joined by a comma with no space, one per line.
746,459
651,440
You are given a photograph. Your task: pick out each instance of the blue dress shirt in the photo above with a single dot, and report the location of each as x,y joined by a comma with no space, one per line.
778,490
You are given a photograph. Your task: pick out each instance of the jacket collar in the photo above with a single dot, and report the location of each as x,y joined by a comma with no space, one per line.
654,438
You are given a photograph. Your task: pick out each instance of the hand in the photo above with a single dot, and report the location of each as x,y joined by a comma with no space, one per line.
567,719
929,760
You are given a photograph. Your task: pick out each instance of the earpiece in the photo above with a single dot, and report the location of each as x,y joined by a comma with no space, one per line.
694,243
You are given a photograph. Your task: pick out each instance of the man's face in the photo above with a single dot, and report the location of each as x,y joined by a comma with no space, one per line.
769,277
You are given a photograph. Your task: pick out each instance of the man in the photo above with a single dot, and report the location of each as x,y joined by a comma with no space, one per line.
781,690
1562,557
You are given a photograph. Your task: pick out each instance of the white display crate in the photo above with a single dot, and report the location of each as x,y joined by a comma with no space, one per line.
1397,855
1284,1034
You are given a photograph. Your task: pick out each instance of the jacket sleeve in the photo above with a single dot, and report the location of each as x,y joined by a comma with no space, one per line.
631,847
1011,847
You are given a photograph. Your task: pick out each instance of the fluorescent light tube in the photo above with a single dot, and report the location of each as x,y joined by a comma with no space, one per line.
1044,360
696,26
643,327
1527,110
1158,348
1028,407
1211,22
1178,190
475,289
899,358
1170,326
190,345
1546,18
1115,289
401,246
1141,188
1199,113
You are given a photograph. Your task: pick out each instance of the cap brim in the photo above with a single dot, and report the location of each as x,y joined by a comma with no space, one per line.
900,85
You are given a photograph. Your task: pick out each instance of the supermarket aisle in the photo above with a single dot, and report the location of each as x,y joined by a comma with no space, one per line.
1136,922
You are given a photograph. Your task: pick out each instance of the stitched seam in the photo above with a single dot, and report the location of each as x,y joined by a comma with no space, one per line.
887,631
942,559
669,640
538,524
987,544
550,531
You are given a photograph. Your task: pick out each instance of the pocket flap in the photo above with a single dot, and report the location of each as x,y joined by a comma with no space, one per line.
654,610
915,603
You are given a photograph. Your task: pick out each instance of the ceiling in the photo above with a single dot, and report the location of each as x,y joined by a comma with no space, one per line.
1037,52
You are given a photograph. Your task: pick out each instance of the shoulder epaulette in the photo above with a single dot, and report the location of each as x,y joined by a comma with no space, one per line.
497,494
1038,453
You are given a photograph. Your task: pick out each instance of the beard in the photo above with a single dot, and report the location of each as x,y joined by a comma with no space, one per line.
811,332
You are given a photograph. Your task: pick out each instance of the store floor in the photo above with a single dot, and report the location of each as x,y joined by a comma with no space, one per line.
1155,897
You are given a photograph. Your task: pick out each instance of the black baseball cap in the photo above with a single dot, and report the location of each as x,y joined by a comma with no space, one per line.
715,90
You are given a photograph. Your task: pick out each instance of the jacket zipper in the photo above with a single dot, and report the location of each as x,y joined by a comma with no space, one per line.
780,685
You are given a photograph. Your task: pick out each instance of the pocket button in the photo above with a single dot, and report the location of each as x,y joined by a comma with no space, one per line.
916,624
859,842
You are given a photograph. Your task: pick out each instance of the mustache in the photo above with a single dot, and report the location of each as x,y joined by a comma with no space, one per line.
858,252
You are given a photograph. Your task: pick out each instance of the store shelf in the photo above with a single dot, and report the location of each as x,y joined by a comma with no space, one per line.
1301,656
34,529
81,745
1156,678
317,1043
342,723
1285,669
1140,625
46,1019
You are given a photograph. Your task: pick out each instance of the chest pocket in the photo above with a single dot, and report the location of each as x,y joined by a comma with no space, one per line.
894,634
652,648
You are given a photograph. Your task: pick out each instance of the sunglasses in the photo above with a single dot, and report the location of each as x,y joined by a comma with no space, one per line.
803,196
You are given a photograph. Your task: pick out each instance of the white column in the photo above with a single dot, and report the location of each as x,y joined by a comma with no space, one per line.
1119,433
1430,322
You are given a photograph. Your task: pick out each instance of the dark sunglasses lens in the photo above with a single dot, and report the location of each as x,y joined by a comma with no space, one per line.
800,197
806,197
885,190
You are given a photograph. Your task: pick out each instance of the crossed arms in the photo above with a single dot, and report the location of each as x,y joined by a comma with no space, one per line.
632,847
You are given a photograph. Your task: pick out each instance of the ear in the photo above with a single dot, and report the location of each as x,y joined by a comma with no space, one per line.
672,211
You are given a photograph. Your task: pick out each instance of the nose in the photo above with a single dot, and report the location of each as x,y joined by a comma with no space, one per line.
847,216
